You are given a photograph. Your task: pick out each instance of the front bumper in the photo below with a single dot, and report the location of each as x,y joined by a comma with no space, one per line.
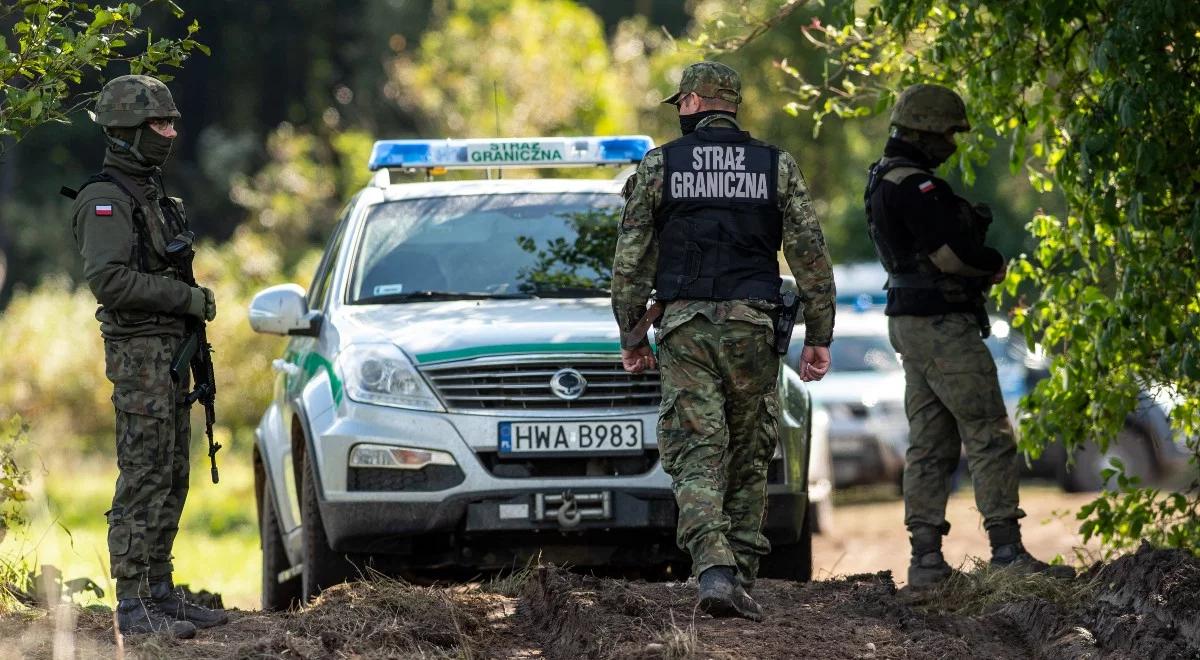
465,523
863,457
496,528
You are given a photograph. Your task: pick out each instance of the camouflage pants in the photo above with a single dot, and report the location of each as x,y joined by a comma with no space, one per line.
717,428
153,433
952,398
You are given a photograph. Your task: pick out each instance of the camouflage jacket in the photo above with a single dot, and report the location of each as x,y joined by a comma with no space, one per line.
803,248
132,301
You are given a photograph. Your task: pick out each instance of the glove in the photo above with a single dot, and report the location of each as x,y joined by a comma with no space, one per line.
210,304
203,304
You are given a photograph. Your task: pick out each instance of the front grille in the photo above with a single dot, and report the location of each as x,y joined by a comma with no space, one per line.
569,466
525,384
428,478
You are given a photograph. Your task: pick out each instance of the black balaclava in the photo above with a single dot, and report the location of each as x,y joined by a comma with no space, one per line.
144,143
935,146
687,123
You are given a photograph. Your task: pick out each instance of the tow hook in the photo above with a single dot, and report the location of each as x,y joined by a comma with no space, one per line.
568,514
568,508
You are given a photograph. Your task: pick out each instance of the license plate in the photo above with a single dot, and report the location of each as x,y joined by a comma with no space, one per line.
613,436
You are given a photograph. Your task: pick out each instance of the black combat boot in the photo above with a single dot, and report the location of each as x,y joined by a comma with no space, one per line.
171,601
928,567
721,595
140,616
1009,552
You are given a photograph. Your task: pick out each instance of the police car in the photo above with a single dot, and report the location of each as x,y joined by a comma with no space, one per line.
451,396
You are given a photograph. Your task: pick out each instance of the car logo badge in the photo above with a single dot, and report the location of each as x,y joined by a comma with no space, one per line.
568,384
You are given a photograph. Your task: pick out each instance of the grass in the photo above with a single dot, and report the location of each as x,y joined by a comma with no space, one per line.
216,549
984,588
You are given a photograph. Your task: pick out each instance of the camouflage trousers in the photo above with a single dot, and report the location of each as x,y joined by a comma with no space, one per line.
153,433
952,398
717,427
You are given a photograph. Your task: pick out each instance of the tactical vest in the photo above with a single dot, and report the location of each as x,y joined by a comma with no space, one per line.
150,235
910,268
719,225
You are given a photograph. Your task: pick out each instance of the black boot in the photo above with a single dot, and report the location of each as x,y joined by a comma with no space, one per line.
1009,552
140,616
1017,558
171,601
721,595
928,567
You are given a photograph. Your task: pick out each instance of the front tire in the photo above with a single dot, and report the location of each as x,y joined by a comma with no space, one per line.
275,595
323,567
791,561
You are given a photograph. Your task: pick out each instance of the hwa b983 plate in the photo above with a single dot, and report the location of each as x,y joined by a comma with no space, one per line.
587,437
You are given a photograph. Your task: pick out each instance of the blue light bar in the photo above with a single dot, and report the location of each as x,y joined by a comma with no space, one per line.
510,152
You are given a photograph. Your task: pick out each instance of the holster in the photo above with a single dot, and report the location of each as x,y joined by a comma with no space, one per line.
785,322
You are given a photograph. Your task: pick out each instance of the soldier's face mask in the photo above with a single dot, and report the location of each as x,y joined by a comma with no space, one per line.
155,147
938,146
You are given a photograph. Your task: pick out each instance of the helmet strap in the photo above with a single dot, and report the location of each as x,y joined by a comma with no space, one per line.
131,147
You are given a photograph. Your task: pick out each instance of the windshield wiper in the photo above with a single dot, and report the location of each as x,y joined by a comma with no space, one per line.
573,292
427,296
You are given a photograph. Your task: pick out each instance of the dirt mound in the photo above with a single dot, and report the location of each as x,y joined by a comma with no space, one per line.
575,616
1145,605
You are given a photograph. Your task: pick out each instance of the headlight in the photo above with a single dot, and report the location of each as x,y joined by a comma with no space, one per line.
381,374
398,458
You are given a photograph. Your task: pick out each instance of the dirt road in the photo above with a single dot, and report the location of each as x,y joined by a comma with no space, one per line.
870,537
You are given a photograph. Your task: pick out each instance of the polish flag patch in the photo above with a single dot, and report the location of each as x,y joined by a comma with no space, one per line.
926,187
104,209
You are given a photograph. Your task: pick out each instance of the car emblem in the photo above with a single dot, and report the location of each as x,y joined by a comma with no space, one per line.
568,384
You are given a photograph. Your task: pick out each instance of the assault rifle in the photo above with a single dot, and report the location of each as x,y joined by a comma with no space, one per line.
195,352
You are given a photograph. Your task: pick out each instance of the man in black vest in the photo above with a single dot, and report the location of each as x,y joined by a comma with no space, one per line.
705,218
931,242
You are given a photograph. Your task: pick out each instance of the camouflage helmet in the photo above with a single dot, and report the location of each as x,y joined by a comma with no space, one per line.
711,80
930,108
128,101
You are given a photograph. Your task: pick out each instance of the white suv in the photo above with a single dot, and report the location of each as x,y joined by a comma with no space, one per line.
452,395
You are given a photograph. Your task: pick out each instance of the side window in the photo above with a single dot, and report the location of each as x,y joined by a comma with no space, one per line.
318,293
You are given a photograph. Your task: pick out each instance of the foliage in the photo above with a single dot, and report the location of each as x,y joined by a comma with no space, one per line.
14,479
515,68
1098,100
293,200
54,42
584,262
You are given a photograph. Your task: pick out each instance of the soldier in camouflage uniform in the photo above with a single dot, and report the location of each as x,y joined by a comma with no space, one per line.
122,222
705,217
931,242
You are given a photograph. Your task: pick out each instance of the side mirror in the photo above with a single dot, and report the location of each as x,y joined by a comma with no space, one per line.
282,310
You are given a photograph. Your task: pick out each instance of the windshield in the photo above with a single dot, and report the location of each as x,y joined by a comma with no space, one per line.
485,246
863,353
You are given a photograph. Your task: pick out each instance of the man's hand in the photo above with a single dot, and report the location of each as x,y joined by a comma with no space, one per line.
814,363
637,360
210,304
999,275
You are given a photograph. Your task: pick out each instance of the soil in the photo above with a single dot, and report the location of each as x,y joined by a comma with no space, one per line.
1144,605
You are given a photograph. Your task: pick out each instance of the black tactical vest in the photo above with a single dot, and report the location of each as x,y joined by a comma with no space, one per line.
719,226
908,267
901,265
150,235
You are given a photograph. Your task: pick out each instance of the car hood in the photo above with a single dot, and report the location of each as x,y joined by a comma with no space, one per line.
858,386
461,329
